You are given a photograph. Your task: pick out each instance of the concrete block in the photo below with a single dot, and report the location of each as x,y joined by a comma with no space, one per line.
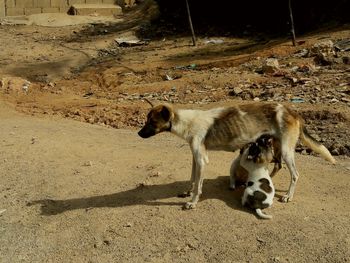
100,9
51,10
64,9
111,2
73,2
59,3
15,11
31,11
25,3
42,3
93,1
10,3
2,8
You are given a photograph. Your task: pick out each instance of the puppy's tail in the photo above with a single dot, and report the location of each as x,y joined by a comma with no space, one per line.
262,215
310,142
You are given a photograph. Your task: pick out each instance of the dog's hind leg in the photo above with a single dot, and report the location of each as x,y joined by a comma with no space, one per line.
288,147
277,158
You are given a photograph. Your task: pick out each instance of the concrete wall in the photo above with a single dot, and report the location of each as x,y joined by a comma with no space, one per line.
2,8
29,7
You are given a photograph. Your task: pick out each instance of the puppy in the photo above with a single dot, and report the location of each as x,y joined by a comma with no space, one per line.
229,129
239,175
259,191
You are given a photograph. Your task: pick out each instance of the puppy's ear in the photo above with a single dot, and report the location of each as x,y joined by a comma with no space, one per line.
165,113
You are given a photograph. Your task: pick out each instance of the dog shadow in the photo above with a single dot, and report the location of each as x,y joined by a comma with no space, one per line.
149,195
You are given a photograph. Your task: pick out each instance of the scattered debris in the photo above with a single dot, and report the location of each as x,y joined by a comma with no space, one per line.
213,41
342,45
270,66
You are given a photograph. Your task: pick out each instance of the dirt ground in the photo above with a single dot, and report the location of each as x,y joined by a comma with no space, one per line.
79,185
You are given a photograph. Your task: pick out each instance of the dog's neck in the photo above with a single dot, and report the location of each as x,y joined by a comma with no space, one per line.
181,122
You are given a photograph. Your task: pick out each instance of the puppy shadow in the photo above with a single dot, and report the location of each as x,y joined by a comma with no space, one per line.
148,195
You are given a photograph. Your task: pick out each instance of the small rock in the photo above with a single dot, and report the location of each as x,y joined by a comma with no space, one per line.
128,224
335,152
270,66
89,163
256,99
334,100
2,211
325,47
346,60
236,91
260,240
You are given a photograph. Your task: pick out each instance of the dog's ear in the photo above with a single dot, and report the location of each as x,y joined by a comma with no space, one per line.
165,113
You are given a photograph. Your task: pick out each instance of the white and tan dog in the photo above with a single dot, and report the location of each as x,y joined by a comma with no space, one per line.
259,191
230,129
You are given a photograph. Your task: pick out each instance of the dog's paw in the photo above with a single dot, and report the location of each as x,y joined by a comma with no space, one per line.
285,199
189,205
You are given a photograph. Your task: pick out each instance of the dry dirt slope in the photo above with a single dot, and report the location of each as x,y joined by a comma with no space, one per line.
75,192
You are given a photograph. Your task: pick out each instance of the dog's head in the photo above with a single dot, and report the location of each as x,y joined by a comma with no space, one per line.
261,151
158,120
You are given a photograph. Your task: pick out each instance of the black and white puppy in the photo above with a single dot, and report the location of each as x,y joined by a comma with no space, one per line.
259,191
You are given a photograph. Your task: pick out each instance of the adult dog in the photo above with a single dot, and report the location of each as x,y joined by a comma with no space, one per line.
229,129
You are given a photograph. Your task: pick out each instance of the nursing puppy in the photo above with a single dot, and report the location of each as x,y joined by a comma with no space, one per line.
229,129
259,191
239,175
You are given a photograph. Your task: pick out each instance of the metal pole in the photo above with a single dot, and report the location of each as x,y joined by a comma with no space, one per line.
191,26
291,21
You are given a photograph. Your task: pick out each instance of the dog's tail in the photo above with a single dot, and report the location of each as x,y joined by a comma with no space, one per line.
316,146
262,215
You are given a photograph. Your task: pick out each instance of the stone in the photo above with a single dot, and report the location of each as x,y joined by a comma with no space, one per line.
325,47
270,66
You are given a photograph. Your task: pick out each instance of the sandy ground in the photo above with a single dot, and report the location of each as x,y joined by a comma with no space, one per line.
76,192
79,185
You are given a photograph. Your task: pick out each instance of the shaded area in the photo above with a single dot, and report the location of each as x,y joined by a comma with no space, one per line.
242,18
146,195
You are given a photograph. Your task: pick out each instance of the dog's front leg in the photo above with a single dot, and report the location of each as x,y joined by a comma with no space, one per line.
200,158
193,176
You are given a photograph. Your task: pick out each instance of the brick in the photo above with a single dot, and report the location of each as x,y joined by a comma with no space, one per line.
64,9
73,2
14,11
59,3
101,9
31,11
51,10
111,2
2,8
10,3
93,1
42,3
24,3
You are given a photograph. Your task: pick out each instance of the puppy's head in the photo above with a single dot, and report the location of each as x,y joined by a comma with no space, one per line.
261,151
158,120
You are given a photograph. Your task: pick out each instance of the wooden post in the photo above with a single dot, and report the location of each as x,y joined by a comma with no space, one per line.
191,26
291,22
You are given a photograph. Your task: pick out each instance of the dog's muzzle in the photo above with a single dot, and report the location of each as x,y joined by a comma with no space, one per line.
146,132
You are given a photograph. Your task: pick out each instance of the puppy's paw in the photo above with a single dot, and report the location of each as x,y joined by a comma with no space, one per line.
286,198
189,205
185,194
